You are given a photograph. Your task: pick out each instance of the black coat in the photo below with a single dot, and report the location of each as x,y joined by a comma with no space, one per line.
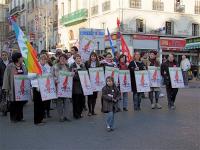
2,70
165,71
132,68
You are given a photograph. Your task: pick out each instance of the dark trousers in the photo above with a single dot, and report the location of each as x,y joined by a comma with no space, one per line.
92,102
38,107
47,105
171,95
151,97
137,100
78,104
16,110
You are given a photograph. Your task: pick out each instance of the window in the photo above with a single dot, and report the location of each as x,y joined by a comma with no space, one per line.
195,29
178,6
94,10
106,6
158,5
135,3
69,6
169,26
140,25
62,8
197,7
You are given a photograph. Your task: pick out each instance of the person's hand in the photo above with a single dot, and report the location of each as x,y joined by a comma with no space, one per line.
114,100
110,95
137,68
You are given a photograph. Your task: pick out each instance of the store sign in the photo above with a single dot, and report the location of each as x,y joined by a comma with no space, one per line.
145,37
193,40
172,44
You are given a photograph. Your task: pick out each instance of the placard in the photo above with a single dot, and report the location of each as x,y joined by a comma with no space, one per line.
64,87
154,76
176,77
142,81
22,87
125,81
113,72
85,83
97,78
47,87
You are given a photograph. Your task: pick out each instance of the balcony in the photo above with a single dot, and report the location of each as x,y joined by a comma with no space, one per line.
15,11
75,17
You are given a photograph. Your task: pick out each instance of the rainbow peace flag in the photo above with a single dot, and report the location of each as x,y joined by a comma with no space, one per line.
28,52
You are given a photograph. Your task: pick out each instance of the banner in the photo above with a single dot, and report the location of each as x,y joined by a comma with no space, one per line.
22,88
142,81
47,87
176,77
90,40
65,81
85,82
154,76
113,72
97,78
125,81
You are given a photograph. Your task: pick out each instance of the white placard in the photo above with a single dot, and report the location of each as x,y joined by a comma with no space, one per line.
142,81
64,87
125,81
154,76
85,83
113,72
97,78
47,87
22,88
176,77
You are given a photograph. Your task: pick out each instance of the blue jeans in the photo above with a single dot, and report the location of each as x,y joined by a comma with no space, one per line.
110,119
136,100
124,100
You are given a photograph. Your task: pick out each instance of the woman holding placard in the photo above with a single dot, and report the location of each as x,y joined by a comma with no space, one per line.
63,105
136,65
154,62
93,62
15,68
78,97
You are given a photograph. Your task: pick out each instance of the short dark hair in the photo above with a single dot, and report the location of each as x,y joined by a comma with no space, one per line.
76,55
16,56
63,55
75,48
121,56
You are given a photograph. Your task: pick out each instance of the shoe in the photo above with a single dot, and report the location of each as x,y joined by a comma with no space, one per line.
111,129
161,95
158,106
125,109
89,114
40,124
85,109
61,120
22,120
119,110
153,106
173,107
108,128
66,119
94,114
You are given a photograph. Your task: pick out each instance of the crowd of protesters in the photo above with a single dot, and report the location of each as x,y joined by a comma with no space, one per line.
112,99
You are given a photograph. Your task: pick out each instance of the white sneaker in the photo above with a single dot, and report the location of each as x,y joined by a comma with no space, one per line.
158,106
161,95
108,128
153,106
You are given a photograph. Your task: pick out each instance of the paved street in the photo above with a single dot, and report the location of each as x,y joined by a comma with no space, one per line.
145,130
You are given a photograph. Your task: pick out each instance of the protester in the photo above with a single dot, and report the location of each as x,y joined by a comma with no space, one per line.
136,65
108,61
110,97
78,97
93,62
171,92
74,51
154,62
63,105
185,66
15,68
124,96
116,57
4,61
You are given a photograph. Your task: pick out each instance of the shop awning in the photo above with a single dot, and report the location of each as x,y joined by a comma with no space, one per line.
192,46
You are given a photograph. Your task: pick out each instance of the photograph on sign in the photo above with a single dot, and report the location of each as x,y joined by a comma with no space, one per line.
85,83
97,78
47,87
154,76
22,88
176,77
64,87
125,81
142,81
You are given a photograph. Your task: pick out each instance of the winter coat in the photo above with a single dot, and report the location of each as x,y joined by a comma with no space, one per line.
77,88
8,82
2,69
132,66
108,104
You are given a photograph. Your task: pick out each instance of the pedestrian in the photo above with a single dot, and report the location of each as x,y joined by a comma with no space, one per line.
63,105
185,66
136,65
154,90
116,57
124,96
171,92
93,62
73,51
108,61
15,68
110,97
78,98
4,61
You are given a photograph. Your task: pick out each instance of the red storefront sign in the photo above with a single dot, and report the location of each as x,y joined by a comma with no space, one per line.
173,44
145,37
